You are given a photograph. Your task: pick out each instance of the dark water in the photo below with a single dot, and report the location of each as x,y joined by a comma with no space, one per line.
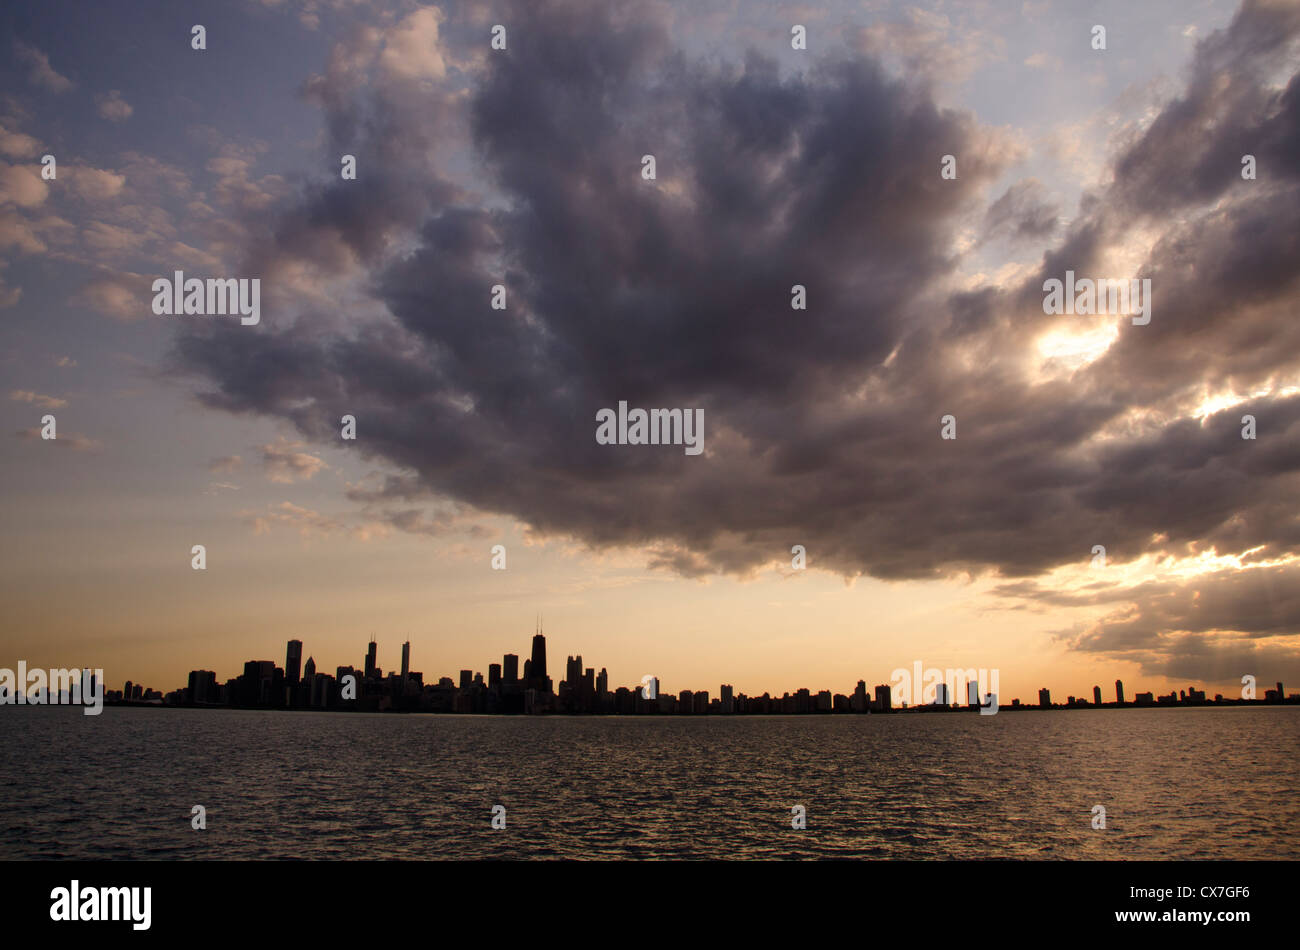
1183,783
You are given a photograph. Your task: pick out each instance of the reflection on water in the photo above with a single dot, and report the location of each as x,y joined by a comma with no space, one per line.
1178,783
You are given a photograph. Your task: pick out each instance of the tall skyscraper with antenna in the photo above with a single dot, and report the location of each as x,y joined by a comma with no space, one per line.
537,666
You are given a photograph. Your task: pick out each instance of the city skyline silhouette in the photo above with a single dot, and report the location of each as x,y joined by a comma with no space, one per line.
509,688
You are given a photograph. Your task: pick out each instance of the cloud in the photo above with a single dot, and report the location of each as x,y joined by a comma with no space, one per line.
284,464
36,399
21,186
286,514
227,463
234,186
821,426
113,107
72,441
431,524
18,144
1216,627
17,232
41,72
927,42
121,295
1175,163
1023,211
412,50
108,240
216,488
92,184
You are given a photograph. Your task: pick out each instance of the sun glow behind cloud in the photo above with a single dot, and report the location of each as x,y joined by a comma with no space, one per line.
1210,404
1065,351
1129,575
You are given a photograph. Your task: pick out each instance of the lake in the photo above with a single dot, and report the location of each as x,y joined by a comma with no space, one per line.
1175,783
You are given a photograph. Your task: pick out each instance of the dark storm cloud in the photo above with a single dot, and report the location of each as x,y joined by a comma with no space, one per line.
821,426
1226,111
1257,603
1215,627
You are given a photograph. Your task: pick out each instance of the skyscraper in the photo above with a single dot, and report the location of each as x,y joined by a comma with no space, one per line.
203,686
371,665
1044,697
1119,691
406,660
537,678
1096,695
538,669
510,668
255,685
293,662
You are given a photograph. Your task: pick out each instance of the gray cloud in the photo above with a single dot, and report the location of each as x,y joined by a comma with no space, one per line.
41,73
822,426
1216,627
1023,211
113,107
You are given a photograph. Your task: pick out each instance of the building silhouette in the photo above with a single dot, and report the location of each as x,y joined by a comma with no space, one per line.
536,668
203,687
293,662
582,691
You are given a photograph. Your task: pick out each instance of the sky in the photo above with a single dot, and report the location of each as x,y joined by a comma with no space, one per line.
475,427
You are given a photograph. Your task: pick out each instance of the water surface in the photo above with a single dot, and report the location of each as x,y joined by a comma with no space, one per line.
1175,783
